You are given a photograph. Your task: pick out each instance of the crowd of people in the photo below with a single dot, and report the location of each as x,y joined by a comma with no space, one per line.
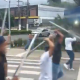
50,59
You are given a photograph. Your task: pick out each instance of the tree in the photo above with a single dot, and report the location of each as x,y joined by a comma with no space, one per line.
11,19
54,1
62,22
77,2
61,4
6,23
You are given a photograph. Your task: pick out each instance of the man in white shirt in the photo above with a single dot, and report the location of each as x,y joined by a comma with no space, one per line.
69,50
46,61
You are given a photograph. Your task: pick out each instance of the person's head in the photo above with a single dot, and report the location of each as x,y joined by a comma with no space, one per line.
3,44
46,48
30,36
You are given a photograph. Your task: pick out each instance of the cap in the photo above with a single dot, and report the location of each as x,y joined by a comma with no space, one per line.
2,40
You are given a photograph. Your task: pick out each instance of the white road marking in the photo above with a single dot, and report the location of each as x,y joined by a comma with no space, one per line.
78,78
21,54
24,72
24,62
15,66
77,59
21,59
20,78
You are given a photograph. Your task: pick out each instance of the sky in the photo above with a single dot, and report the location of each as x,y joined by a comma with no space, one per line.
14,2
3,3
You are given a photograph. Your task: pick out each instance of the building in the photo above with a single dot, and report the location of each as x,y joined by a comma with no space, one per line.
38,14
47,13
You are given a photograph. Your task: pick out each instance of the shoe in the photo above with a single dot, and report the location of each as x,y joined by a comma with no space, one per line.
71,69
66,66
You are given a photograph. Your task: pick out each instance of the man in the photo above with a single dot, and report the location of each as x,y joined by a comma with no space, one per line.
29,41
56,69
46,62
69,50
3,61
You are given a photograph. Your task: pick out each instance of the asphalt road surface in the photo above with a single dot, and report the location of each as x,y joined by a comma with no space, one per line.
31,67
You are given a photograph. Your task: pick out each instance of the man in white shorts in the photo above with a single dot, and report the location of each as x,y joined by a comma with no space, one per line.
46,61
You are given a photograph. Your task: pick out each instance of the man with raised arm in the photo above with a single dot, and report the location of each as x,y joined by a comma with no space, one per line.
46,61
56,68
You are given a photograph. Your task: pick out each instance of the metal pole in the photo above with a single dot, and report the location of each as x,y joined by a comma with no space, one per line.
64,29
9,22
3,23
27,25
19,13
22,61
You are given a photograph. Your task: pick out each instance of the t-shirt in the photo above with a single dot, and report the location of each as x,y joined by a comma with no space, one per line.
57,53
46,67
68,43
2,61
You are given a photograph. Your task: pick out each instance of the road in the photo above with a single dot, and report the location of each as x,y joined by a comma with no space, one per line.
31,67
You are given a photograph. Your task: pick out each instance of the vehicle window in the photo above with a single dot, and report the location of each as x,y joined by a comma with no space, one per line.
44,30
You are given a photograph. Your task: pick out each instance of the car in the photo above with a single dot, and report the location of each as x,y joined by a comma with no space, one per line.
45,32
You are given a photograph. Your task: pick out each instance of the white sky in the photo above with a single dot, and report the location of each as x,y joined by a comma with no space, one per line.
14,2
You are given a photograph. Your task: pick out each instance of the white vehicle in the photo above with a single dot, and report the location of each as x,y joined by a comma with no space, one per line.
45,32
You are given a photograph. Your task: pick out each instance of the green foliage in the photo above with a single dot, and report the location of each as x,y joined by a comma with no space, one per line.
62,22
61,4
77,2
22,43
16,32
58,1
11,18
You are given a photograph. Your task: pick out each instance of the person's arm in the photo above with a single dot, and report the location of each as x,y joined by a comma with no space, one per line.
14,78
71,39
51,46
61,36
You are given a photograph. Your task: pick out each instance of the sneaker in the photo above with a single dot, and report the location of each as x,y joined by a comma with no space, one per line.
71,69
66,66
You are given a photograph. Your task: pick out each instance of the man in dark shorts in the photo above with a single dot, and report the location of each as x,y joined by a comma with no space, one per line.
56,69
